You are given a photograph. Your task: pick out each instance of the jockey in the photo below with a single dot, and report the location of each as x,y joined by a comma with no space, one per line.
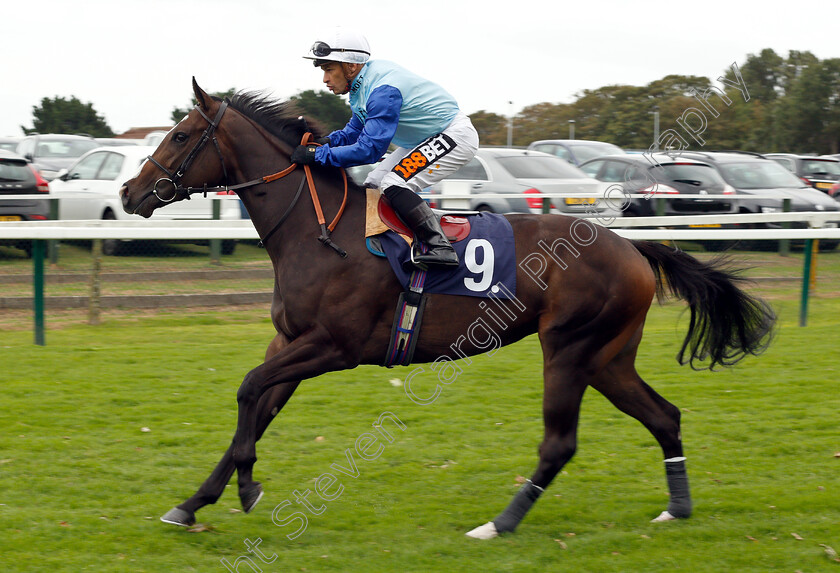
434,138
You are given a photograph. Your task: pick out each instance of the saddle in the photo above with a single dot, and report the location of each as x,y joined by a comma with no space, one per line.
381,217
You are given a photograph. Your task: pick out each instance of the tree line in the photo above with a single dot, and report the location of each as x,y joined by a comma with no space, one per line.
792,104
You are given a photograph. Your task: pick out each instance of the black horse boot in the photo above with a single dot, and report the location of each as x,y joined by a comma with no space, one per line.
427,230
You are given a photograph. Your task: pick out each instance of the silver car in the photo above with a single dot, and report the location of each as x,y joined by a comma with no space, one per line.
528,175
575,151
52,152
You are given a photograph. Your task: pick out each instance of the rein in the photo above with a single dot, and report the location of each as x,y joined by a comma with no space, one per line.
174,178
319,213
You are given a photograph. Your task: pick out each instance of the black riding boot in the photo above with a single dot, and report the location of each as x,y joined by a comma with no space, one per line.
419,217
427,230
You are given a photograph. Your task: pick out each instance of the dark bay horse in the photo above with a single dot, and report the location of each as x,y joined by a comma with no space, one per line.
587,298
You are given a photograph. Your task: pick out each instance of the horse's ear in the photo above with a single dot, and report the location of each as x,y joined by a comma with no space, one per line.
200,95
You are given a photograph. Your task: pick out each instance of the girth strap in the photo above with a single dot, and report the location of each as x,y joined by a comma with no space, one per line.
405,330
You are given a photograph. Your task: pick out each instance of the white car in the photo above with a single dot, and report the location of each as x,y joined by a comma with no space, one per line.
89,190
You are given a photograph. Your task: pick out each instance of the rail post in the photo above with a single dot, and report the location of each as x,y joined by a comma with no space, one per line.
95,296
52,244
38,249
784,244
806,283
216,244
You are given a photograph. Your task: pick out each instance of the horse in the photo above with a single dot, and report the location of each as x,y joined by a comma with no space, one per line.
333,302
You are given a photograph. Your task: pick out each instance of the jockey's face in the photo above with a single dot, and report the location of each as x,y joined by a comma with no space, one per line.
338,75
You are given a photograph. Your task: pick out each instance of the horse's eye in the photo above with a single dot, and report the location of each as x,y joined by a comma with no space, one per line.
180,137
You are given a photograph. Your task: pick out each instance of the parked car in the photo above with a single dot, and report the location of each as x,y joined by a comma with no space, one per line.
358,174
89,189
683,183
575,151
17,177
118,141
154,138
818,172
9,143
752,174
530,174
50,153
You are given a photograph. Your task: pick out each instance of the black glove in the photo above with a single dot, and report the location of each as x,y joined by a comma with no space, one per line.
304,154
323,140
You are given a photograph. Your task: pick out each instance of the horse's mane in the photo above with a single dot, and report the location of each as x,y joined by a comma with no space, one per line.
280,118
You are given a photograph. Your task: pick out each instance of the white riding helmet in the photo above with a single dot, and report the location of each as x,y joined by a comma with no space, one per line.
341,45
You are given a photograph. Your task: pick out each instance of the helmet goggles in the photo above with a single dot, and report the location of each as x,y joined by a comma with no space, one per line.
322,49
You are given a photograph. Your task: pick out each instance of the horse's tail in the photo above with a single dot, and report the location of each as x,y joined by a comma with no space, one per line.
726,323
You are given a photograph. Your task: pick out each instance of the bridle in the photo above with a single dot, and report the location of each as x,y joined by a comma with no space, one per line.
173,178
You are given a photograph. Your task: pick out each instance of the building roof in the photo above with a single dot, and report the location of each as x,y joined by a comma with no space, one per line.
140,132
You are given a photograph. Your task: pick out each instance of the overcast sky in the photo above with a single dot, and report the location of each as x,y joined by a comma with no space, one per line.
133,59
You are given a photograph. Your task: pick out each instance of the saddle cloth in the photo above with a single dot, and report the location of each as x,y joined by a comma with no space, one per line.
484,243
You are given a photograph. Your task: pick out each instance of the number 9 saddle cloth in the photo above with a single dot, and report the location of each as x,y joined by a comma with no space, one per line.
484,243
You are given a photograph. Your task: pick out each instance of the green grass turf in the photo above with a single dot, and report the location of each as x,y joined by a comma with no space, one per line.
82,485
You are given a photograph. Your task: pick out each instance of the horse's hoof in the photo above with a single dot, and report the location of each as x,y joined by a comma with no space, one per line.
251,497
178,516
486,531
664,516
